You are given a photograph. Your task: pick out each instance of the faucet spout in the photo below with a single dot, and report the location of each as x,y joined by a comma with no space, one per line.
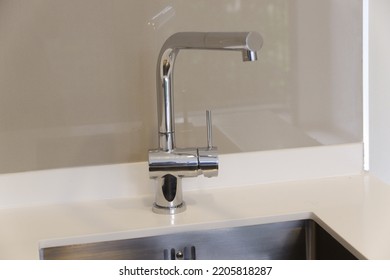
248,43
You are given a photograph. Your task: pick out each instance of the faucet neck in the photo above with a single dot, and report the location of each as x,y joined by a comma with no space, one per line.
165,104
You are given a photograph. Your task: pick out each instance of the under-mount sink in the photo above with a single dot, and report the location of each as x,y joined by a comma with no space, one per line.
291,240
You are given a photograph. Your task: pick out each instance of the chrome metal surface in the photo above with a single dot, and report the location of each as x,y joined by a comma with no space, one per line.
291,240
189,162
248,43
169,197
208,161
209,125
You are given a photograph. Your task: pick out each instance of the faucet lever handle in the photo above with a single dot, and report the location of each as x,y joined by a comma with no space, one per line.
209,125
208,156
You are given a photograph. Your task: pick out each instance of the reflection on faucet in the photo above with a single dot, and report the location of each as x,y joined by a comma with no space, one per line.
168,164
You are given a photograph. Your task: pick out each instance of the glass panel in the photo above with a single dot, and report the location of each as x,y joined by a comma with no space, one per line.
77,78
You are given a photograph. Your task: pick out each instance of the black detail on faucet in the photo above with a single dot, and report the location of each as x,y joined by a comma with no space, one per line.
169,187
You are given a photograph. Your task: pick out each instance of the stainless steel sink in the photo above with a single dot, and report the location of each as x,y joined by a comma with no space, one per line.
292,240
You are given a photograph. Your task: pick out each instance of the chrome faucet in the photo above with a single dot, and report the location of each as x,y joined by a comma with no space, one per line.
169,164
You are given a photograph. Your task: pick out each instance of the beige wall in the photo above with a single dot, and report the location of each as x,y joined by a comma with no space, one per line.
77,78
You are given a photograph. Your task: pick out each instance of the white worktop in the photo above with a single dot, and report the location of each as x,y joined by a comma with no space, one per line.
355,207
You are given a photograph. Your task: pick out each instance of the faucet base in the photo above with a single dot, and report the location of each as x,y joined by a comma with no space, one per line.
169,210
169,195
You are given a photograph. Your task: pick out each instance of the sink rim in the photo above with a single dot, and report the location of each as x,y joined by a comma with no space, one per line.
173,228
